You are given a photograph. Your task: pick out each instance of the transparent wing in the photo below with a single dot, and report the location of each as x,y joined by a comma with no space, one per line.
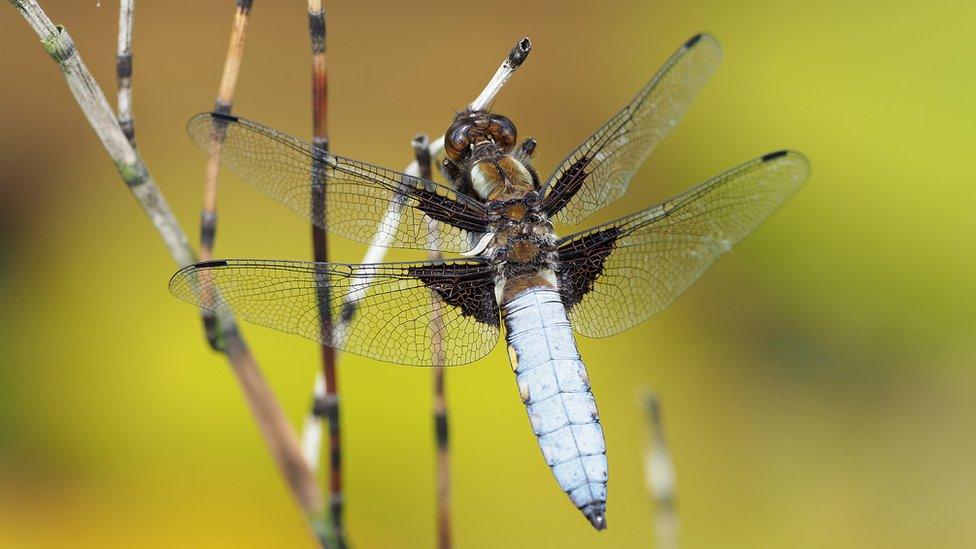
616,275
383,311
362,202
598,172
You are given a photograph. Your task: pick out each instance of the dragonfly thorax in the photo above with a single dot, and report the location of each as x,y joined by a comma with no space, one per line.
522,247
503,178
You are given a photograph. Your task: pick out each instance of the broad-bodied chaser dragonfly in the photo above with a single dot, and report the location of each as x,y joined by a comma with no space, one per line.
515,271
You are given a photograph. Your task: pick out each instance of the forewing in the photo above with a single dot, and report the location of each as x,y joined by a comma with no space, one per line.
598,172
616,275
396,315
362,202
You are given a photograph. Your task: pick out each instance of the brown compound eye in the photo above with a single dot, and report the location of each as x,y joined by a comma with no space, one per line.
456,140
502,132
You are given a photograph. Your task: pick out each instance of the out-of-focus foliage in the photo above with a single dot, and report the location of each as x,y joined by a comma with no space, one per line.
817,383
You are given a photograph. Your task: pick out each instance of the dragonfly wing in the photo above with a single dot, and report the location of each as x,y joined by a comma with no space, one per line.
598,172
616,275
362,202
395,315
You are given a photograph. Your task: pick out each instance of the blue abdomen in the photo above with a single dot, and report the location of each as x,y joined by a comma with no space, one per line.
555,388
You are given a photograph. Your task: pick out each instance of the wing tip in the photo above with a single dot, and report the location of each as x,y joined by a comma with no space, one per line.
698,38
776,155
223,116
797,158
208,118
181,274
210,115
694,40
769,157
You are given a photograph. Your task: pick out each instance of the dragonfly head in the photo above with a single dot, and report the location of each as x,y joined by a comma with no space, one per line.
479,133
483,160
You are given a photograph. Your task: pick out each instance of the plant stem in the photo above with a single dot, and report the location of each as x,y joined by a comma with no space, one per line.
421,148
222,105
274,426
123,69
326,402
660,478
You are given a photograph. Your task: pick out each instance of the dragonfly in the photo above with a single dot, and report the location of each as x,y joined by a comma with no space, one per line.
511,272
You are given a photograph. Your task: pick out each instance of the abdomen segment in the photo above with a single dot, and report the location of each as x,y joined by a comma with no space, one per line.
555,388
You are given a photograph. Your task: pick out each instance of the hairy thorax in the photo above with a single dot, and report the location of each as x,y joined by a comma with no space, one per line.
523,247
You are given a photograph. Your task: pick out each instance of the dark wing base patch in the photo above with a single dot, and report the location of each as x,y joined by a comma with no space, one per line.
581,263
453,212
474,296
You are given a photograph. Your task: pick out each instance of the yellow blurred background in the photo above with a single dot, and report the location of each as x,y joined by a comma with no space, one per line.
818,383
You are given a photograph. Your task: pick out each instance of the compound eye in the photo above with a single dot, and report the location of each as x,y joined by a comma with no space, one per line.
503,132
456,141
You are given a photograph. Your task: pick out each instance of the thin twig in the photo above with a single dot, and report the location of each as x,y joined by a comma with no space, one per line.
123,69
660,478
421,149
312,427
274,426
325,402
222,105
515,58
58,44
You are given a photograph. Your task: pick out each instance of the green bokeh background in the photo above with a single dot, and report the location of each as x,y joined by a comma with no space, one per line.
818,383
